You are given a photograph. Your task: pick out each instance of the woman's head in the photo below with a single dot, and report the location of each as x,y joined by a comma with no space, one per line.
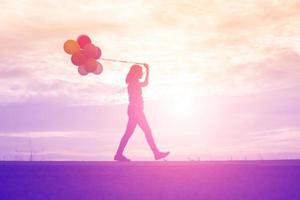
134,74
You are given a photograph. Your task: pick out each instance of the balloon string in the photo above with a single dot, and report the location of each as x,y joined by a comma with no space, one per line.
123,61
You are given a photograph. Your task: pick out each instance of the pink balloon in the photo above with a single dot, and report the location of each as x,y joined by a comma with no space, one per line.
83,40
99,69
79,58
82,71
92,51
98,54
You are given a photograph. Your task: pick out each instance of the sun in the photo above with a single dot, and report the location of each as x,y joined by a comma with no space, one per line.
182,106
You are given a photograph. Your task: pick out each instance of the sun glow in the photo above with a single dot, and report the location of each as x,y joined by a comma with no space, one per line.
182,106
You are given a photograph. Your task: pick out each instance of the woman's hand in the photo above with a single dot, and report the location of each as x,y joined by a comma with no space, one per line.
146,66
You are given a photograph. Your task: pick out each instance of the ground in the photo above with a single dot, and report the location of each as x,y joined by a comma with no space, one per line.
207,180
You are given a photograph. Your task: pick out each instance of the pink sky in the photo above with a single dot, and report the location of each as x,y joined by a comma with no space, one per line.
210,62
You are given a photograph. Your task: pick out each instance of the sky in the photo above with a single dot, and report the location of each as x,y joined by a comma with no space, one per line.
224,79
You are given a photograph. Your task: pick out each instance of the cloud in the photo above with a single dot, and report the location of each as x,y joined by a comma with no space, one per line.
12,72
279,70
206,46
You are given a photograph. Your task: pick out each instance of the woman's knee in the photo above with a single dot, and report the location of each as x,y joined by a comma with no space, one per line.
127,134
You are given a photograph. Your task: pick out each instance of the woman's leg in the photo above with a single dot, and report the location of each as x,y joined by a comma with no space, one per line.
131,124
142,121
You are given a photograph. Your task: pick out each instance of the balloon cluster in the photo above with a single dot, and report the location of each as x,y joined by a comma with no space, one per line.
84,55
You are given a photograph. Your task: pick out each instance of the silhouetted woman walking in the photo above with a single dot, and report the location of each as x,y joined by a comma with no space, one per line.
136,114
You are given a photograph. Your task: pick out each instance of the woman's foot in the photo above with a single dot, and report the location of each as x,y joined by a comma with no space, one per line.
161,155
121,158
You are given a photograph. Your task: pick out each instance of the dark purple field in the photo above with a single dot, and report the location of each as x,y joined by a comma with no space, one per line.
205,180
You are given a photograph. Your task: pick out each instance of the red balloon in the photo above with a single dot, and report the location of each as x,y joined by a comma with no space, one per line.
99,69
92,51
79,58
90,65
83,40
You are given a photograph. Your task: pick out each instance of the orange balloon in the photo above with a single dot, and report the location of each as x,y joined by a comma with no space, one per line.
71,47
91,65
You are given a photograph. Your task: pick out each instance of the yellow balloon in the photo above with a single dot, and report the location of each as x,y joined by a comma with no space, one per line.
71,47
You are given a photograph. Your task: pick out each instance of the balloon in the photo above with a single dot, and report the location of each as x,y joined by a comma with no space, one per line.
83,40
71,47
79,58
99,69
92,51
90,65
82,71
84,55
98,54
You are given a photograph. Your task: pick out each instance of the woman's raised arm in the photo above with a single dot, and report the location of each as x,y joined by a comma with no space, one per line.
146,81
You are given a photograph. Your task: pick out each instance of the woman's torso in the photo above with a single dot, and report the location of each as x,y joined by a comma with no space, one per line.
135,95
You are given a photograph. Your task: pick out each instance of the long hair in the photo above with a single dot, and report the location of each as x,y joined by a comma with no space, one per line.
134,74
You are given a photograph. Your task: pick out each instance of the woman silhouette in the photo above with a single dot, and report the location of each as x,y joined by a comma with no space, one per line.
136,114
